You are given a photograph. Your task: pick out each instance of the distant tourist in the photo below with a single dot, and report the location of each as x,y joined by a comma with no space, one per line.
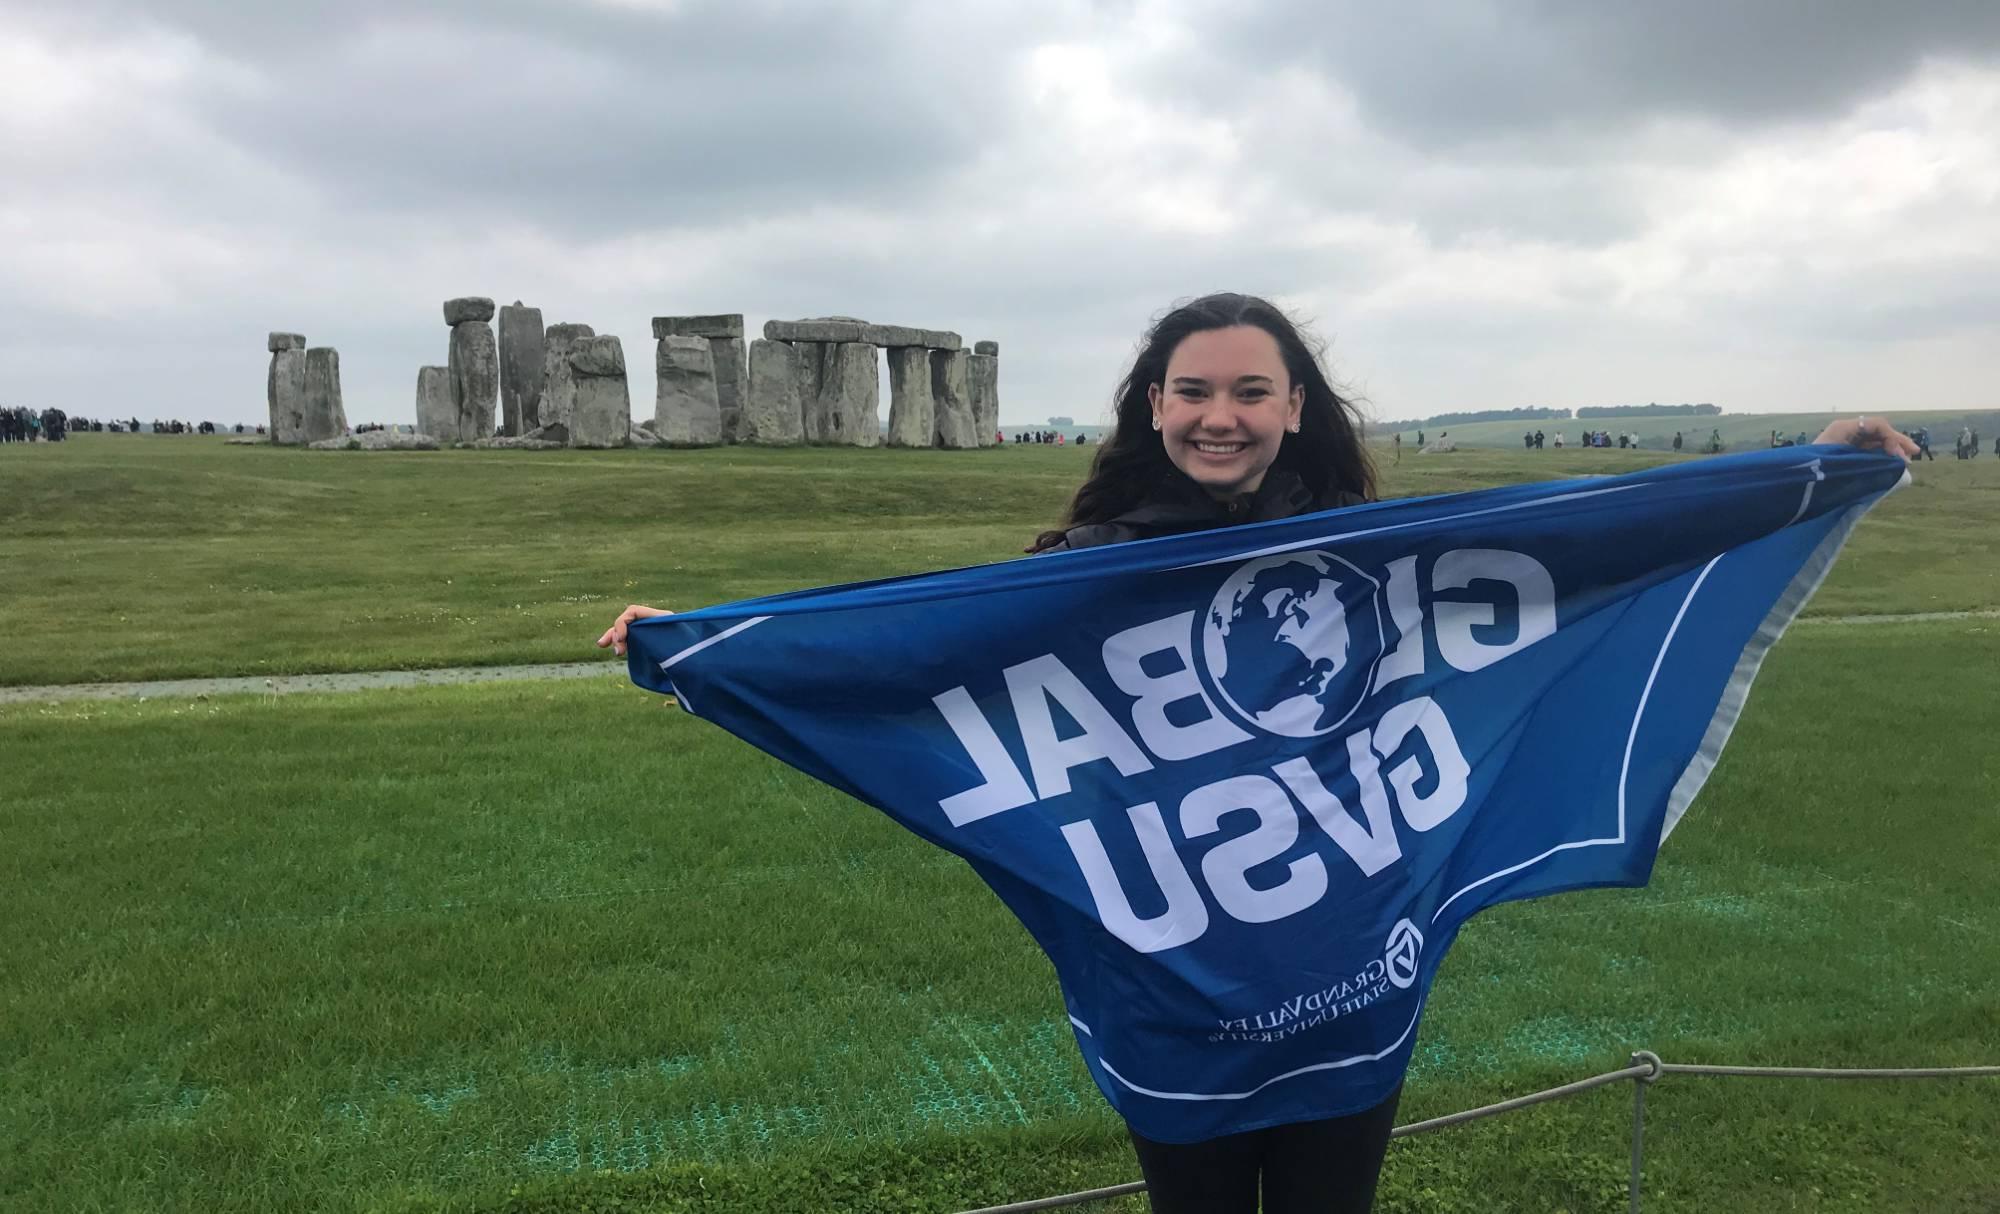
1677,440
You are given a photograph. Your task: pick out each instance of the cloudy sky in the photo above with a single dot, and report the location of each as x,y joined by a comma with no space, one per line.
1775,205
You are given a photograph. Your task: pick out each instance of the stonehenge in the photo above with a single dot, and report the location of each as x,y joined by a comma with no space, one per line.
983,379
324,416
521,357
772,412
951,401
285,388
911,413
823,372
601,415
816,380
687,408
558,401
474,363
435,414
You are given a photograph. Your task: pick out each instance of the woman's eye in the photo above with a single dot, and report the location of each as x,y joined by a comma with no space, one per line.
1254,393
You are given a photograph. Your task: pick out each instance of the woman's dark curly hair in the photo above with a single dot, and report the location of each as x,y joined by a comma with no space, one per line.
1327,452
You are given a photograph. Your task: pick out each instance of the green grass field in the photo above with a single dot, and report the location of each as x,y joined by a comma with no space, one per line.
545,946
133,557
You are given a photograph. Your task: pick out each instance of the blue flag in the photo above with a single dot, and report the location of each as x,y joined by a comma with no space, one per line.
1244,785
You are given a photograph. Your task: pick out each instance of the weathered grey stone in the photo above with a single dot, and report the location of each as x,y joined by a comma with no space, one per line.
521,354
285,341
555,434
286,389
951,401
378,440
597,356
813,330
772,412
436,415
728,324
982,374
474,367
642,437
942,339
850,389
558,385
891,337
603,412
732,380
986,347
809,365
687,412
325,416
247,442
467,307
911,416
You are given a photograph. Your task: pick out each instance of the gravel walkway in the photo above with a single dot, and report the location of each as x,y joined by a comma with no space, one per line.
369,680
290,684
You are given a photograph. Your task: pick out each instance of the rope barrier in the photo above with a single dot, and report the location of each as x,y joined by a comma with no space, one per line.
1646,1069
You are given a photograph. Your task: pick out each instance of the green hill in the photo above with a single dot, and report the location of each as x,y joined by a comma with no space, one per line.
1740,431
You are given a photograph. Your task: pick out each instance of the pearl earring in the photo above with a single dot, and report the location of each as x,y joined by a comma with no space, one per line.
1156,423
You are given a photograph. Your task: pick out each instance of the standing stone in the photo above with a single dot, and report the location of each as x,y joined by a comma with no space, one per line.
951,397
911,417
983,377
772,412
686,410
732,379
324,415
287,390
809,365
475,378
602,416
435,414
521,354
558,403
850,390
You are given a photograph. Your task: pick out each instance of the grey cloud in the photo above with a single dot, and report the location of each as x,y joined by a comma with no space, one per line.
1451,73
578,119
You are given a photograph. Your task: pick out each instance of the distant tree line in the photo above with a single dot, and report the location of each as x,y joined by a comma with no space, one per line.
1703,410
1484,415
1535,415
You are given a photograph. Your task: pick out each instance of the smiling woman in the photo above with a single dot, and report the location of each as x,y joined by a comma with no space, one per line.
1248,428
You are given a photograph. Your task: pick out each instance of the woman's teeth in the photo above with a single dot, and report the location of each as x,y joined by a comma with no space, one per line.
1220,448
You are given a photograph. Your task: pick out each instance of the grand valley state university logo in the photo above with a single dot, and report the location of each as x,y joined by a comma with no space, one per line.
1302,646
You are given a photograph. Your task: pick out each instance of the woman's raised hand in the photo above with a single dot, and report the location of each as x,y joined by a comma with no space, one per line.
614,636
1869,434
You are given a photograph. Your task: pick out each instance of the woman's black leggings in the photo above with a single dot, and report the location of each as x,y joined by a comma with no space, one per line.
1321,1167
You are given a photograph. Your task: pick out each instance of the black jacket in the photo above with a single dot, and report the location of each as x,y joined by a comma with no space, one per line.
1180,505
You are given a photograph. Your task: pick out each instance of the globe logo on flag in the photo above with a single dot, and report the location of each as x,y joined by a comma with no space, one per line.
1291,642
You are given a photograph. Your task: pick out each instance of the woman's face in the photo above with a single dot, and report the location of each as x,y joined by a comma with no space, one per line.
1226,405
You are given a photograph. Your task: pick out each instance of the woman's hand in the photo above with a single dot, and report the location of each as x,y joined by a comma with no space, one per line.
1869,434
614,636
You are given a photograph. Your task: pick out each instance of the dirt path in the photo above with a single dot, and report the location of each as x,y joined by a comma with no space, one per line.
290,684
371,679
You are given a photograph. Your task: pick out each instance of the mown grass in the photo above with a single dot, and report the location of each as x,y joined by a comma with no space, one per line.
559,946
131,557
